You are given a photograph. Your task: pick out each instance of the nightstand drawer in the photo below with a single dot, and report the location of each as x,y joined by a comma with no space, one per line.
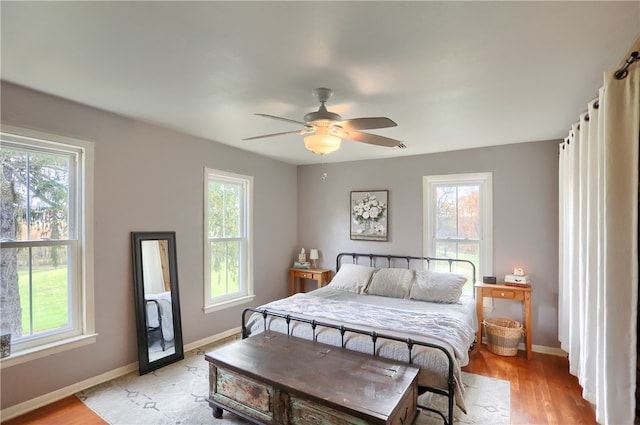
506,294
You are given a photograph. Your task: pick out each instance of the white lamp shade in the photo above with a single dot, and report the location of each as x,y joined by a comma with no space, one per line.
313,254
322,144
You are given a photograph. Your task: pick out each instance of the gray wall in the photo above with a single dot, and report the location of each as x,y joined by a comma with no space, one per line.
525,214
149,178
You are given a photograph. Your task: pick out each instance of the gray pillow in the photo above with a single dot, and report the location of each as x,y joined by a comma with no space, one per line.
352,277
437,287
394,283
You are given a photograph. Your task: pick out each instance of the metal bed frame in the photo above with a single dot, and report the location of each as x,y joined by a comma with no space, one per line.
375,336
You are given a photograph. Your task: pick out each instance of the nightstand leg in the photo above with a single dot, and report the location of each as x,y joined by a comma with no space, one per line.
479,312
527,322
292,283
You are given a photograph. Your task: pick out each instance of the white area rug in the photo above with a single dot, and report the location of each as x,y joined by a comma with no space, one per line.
177,395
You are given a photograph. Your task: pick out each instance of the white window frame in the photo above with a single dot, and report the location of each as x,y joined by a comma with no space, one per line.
82,308
485,181
246,293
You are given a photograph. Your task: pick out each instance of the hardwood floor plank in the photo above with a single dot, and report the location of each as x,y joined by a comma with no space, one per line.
542,392
68,411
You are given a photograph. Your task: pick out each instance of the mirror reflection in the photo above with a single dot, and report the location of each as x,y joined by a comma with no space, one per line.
157,300
157,295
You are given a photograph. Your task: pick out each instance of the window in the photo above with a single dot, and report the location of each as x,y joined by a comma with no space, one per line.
228,276
46,248
458,220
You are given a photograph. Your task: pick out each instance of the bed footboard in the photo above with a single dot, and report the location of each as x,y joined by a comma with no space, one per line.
375,336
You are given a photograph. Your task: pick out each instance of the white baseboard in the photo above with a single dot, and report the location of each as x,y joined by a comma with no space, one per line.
212,339
542,349
45,399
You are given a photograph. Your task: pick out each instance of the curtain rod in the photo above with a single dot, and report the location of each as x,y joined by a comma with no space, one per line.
623,72
619,75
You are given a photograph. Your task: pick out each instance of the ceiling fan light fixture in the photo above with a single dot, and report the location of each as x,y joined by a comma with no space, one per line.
322,144
330,128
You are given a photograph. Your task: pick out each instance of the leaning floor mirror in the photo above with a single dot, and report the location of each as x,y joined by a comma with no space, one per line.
157,300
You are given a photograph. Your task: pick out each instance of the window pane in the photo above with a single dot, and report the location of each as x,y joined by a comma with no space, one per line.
446,214
14,194
457,212
49,196
462,250
224,210
40,187
459,250
232,211
225,263
44,289
216,209
468,212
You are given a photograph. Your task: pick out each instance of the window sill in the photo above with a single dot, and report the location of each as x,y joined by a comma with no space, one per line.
47,350
227,304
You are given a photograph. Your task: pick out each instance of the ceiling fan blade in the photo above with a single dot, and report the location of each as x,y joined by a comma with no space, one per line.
367,123
374,139
281,119
273,134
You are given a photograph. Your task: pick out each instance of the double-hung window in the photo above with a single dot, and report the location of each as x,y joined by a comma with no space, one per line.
228,275
458,220
46,257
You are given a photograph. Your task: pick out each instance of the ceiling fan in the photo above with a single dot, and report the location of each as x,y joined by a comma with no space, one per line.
325,130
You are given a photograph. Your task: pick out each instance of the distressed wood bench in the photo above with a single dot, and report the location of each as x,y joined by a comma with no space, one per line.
273,378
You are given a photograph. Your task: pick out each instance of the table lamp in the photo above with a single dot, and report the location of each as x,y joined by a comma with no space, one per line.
313,256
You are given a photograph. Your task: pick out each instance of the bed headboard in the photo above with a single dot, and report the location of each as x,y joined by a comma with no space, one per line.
465,267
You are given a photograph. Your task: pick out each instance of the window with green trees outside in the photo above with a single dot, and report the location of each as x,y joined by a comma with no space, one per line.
42,244
228,271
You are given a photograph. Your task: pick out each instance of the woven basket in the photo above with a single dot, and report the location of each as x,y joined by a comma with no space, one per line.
503,336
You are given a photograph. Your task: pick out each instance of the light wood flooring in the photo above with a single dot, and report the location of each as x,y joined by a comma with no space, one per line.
542,392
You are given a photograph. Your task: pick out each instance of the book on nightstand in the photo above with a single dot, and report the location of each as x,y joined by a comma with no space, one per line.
520,281
305,265
517,285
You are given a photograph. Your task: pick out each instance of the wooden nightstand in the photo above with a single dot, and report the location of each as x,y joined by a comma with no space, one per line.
506,293
322,276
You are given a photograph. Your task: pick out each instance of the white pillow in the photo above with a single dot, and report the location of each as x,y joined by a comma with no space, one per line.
437,287
352,277
394,283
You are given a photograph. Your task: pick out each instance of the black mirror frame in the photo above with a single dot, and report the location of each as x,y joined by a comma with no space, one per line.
144,365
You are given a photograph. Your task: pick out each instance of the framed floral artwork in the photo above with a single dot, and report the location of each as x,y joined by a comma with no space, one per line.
369,212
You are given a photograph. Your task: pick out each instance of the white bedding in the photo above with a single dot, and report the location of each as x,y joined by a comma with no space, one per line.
465,310
392,316
153,321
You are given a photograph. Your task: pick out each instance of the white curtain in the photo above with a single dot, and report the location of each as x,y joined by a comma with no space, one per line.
598,248
152,268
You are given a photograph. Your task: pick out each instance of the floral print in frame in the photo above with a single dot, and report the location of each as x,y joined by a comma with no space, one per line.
369,213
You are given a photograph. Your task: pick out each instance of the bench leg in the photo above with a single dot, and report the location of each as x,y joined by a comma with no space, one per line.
217,412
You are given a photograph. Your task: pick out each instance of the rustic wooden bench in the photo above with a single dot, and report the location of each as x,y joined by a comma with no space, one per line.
272,378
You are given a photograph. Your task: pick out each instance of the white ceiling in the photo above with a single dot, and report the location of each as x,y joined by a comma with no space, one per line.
453,75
